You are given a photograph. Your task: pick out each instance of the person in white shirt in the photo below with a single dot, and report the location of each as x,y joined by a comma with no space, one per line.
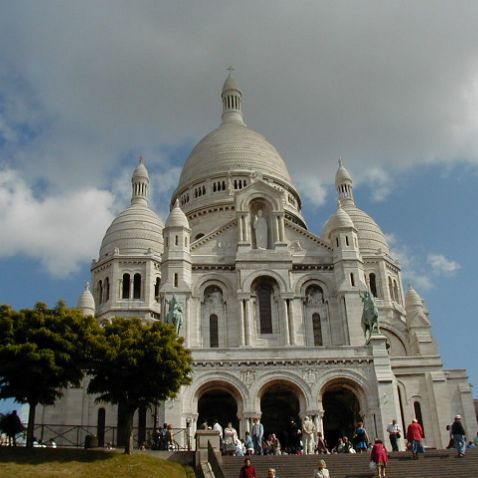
394,434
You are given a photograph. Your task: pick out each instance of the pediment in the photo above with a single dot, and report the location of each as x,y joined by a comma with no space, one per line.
222,241
259,189
302,241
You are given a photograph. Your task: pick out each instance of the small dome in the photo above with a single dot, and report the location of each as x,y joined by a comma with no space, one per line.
230,83
370,236
140,170
342,175
135,231
177,218
413,299
86,302
339,220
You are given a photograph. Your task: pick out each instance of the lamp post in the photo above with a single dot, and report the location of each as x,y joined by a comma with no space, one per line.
188,432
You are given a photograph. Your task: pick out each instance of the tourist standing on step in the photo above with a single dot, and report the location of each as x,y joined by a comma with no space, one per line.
394,434
360,438
321,471
415,436
257,435
379,456
230,439
247,471
458,433
308,432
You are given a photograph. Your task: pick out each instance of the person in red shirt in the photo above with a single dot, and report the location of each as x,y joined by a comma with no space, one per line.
247,471
415,436
379,456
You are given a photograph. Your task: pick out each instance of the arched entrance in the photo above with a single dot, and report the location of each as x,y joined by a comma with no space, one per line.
280,405
220,405
341,413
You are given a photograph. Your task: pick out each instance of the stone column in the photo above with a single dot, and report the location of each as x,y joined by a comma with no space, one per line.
249,322
241,228
286,322
241,323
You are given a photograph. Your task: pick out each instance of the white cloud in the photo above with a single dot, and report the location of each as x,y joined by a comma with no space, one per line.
91,89
441,265
378,181
411,266
311,189
61,231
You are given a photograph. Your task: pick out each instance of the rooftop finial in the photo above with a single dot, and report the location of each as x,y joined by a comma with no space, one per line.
231,100
340,162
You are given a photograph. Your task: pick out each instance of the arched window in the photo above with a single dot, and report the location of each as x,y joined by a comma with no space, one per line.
126,286
373,284
137,286
107,289
390,288
395,291
264,296
317,328
352,279
156,289
213,331
100,292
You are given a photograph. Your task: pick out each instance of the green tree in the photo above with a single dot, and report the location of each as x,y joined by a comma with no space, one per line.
42,351
138,364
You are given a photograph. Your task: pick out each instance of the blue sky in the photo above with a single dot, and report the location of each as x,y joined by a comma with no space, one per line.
392,87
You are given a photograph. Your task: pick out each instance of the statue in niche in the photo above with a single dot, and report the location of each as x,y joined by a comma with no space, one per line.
314,296
260,230
214,297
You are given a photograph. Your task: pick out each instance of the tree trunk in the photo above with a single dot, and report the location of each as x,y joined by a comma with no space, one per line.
31,424
129,430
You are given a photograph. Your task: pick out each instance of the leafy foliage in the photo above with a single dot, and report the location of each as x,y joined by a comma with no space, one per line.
42,351
138,364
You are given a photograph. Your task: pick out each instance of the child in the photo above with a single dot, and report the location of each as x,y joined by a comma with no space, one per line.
380,457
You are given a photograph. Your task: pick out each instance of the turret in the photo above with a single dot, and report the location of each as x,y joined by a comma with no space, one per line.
419,326
176,263
86,302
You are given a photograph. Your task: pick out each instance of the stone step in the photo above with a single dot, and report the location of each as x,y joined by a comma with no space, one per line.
432,464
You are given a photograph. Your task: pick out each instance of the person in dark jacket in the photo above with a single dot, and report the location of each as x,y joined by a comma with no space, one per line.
458,433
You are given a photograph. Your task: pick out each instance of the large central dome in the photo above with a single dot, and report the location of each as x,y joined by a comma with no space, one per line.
233,148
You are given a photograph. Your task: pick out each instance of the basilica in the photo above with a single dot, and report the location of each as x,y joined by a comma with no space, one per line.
271,311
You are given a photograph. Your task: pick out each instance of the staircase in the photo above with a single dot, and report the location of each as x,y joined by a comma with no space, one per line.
432,464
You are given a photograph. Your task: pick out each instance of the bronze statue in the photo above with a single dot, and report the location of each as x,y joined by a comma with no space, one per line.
369,315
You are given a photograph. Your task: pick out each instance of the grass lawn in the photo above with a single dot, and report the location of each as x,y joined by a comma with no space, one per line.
76,463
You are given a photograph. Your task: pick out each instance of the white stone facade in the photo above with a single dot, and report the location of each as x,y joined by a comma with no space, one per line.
272,312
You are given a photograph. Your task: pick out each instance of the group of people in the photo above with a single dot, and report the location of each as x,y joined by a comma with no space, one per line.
11,426
248,470
162,438
379,454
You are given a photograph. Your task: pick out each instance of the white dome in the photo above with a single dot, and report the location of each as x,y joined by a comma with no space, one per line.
342,175
370,236
413,299
233,147
140,170
86,302
134,231
339,220
177,218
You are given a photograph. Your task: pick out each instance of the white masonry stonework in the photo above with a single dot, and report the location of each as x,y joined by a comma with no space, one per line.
284,309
